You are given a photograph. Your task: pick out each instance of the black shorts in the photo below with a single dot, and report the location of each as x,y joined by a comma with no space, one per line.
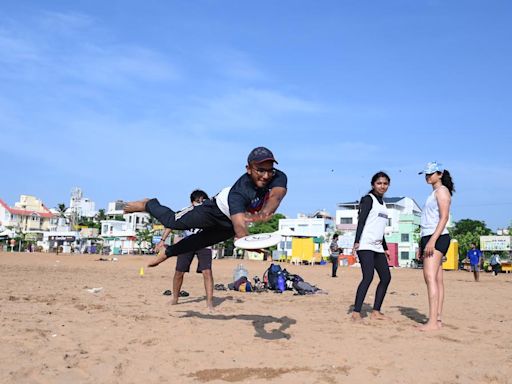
204,260
442,243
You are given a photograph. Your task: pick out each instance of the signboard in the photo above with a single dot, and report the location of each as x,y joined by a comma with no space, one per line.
32,236
495,243
61,238
156,239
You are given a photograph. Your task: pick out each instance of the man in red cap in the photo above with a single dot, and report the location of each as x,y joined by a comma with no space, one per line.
254,197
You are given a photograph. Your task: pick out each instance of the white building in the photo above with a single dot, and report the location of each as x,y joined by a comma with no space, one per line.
81,206
121,236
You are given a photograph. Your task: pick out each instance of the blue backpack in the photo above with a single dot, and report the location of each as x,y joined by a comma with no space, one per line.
271,275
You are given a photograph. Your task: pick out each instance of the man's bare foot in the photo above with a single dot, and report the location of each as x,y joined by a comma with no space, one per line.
356,317
377,315
174,301
135,206
210,308
160,258
429,326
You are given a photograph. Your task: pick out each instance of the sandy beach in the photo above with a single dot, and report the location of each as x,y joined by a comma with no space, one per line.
55,331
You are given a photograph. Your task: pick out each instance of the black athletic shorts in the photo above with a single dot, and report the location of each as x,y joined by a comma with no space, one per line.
442,243
204,260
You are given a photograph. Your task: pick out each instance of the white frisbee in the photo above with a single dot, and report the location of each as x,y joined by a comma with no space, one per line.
257,241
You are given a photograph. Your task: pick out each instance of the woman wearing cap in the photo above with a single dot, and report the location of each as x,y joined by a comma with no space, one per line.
435,239
371,247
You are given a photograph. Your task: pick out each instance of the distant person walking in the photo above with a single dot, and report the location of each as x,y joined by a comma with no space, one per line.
495,264
435,239
475,259
335,252
371,247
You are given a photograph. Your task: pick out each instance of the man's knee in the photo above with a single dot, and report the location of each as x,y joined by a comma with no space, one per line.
179,274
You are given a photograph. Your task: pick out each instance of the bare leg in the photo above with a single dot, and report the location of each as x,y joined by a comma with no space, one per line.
160,258
177,282
208,287
440,289
135,206
430,271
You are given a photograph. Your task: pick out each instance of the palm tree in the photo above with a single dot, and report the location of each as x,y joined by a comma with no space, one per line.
61,209
100,215
143,235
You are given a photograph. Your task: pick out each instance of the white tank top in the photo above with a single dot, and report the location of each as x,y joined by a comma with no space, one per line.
430,216
374,228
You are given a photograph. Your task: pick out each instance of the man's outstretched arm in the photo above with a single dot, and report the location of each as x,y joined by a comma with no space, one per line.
276,195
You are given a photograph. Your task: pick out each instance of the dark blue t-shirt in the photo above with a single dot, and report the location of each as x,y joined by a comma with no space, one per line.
244,196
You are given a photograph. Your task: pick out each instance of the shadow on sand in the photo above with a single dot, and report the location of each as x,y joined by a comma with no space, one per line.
259,322
365,310
413,314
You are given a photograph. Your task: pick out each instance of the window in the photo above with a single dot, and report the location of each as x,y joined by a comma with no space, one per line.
345,220
404,255
405,237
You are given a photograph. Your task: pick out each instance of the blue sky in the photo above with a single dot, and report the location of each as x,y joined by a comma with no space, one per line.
130,99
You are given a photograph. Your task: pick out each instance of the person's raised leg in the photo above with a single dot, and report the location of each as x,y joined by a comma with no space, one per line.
177,282
367,265
430,270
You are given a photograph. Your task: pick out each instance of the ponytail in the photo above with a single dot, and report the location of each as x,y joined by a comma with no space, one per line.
447,181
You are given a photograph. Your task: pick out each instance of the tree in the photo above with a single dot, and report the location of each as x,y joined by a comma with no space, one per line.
143,236
270,226
467,231
61,210
100,216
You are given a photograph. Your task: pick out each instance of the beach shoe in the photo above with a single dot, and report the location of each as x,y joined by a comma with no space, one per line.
167,292
184,294
219,287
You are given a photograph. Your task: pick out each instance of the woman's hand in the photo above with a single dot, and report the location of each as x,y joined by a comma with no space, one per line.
388,255
429,248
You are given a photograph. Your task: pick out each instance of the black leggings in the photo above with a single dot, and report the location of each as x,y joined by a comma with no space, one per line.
371,260
216,226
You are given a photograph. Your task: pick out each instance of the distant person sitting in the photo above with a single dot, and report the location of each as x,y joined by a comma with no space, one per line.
495,264
475,257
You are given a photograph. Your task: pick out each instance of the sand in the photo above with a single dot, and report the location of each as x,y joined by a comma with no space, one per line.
55,331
